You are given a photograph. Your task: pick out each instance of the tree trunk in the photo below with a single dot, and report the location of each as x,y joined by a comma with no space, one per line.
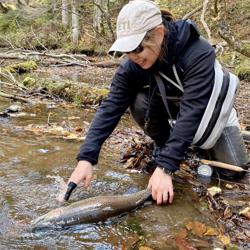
65,13
97,16
75,22
53,5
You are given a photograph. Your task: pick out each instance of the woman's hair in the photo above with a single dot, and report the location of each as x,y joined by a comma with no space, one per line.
149,41
167,15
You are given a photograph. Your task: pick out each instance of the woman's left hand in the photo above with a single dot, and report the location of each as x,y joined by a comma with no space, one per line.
161,186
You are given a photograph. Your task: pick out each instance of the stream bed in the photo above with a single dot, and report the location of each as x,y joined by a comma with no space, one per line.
33,168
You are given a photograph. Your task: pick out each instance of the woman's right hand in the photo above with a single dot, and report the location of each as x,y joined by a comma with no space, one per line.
82,172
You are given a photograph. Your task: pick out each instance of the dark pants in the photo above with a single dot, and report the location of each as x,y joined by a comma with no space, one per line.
229,148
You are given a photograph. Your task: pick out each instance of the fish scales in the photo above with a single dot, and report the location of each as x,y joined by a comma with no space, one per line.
92,210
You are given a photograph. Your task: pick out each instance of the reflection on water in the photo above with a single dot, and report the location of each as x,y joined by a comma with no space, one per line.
32,172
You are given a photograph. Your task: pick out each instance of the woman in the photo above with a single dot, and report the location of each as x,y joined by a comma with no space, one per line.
170,74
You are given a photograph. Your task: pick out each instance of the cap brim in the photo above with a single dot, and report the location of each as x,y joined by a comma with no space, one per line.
127,43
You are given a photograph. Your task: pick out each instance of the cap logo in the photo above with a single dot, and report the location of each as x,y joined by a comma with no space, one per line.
123,26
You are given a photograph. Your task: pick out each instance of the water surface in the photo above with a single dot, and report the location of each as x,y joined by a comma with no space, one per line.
33,168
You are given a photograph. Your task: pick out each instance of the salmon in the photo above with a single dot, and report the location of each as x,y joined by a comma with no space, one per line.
92,210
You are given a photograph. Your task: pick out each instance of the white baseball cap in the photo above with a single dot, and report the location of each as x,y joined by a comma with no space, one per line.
134,20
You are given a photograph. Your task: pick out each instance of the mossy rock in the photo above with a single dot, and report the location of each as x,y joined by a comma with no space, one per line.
93,96
20,68
243,70
82,95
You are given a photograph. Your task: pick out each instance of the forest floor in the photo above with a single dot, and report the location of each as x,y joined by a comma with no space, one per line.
226,209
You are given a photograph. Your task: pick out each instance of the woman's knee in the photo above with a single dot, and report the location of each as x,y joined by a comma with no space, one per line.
230,148
138,108
157,126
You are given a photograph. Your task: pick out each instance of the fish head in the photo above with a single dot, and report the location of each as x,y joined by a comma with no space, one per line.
46,220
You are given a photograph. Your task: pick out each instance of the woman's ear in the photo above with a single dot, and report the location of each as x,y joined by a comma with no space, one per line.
160,29
160,32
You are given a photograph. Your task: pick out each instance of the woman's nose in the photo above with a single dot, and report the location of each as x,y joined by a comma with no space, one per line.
134,57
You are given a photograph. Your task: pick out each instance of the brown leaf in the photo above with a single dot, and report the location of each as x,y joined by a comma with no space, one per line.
78,129
211,231
196,227
184,166
182,244
182,233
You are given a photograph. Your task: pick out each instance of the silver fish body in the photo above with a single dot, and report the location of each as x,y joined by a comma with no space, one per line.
92,210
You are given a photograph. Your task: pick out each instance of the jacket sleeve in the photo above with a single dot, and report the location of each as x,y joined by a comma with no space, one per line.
108,115
198,83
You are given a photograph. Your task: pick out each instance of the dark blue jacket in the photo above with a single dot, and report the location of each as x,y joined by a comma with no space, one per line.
194,59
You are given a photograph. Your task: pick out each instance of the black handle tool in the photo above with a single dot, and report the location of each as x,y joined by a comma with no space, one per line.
71,187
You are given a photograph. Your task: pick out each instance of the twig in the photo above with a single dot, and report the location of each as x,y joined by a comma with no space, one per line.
106,15
5,39
11,86
202,19
12,79
191,13
48,122
37,39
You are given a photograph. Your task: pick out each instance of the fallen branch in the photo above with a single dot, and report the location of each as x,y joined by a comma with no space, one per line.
226,34
15,97
107,64
63,59
12,80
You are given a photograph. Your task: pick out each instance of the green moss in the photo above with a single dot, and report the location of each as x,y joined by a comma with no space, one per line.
29,82
77,100
93,96
134,226
9,199
21,68
80,95
243,70
232,247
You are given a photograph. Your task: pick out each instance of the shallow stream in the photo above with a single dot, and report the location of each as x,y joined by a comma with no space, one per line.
33,168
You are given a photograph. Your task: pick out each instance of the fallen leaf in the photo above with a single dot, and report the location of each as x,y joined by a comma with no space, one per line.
247,233
211,231
214,190
145,248
78,129
196,227
182,233
71,136
229,186
224,239
245,212
182,244
184,166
